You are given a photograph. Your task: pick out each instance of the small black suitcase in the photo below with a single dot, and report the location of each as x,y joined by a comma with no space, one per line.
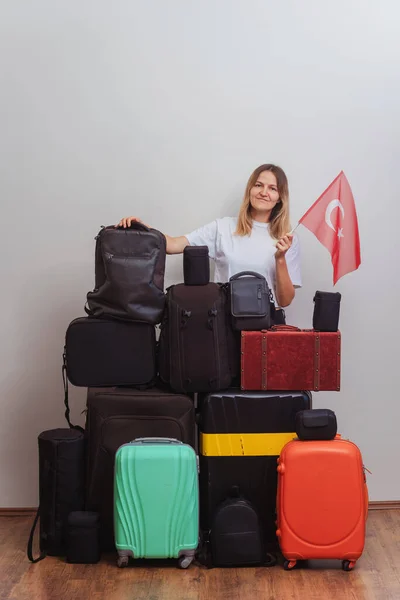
116,416
241,436
101,352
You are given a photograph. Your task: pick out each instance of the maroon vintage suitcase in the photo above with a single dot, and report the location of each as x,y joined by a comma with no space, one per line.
288,358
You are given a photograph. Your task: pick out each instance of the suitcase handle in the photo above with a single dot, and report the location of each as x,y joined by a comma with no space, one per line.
156,440
284,328
246,273
136,225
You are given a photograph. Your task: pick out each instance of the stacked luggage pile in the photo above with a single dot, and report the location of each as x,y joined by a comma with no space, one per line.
183,434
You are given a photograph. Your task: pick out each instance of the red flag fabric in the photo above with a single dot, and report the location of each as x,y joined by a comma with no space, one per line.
333,220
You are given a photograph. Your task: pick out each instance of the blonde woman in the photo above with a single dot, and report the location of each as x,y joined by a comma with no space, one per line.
257,240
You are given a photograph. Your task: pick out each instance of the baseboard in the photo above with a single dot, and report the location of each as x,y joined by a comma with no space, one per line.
28,512
384,505
17,512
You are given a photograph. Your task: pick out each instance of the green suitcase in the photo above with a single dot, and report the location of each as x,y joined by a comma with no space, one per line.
156,501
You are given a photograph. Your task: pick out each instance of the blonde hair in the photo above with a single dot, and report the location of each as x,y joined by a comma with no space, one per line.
279,223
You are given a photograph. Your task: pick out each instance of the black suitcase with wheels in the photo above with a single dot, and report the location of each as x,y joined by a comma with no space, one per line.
241,435
116,416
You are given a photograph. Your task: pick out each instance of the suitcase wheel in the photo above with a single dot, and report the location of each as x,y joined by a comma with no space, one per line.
122,561
288,565
185,561
348,565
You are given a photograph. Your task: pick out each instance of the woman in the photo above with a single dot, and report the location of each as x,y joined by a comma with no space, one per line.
257,240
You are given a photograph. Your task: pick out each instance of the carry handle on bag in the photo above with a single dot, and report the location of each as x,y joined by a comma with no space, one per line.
250,301
156,440
61,488
135,225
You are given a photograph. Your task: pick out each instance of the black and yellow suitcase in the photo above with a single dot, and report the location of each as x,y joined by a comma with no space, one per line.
241,435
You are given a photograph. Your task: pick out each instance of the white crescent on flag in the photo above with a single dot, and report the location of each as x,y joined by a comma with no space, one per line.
331,206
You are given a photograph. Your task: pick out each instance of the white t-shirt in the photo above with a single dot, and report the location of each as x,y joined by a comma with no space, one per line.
254,252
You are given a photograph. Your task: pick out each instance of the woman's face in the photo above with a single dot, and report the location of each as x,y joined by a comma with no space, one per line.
264,194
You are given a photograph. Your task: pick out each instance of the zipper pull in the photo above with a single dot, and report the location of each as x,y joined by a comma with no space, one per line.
365,469
259,292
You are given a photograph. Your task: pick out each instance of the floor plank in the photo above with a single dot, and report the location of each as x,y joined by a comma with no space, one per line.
376,576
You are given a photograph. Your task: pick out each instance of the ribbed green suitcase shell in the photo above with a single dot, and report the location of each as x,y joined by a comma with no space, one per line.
156,500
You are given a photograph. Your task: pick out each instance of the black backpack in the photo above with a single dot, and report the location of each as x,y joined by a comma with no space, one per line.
235,538
198,349
129,274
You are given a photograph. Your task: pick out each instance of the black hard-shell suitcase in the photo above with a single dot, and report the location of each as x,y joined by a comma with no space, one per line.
116,416
102,352
198,350
241,435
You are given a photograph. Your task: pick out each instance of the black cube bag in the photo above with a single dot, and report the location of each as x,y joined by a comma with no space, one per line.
251,301
236,535
326,311
316,424
196,265
83,537
61,488
101,352
129,274
198,351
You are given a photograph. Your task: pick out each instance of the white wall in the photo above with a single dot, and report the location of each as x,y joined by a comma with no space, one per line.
162,109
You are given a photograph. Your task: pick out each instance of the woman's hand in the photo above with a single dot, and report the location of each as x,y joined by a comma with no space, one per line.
126,222
283,245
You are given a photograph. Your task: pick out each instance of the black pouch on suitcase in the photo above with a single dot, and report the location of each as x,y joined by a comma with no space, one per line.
235,536
196,265
198,350
326,311
101,352
61,488
316,424
83,537
116,416
250,301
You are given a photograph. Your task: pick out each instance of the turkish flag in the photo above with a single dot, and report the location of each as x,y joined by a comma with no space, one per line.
333,220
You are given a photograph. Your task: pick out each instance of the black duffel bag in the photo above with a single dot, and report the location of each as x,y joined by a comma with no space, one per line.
61,488
251,301
129,274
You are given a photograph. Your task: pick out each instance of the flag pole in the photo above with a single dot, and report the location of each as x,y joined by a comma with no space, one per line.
294,229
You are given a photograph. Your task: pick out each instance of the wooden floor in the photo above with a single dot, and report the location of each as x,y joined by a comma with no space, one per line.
376,576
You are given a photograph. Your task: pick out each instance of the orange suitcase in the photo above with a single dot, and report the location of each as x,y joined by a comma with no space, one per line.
322,501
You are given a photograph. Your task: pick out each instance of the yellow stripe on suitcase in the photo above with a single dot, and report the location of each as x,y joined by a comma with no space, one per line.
243,444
